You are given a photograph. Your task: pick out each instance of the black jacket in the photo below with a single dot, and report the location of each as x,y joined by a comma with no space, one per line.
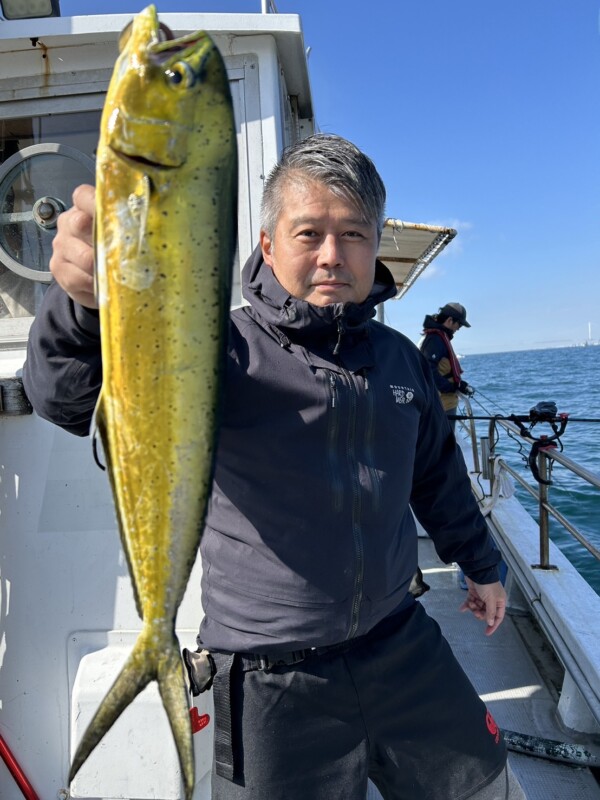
435,350
331,427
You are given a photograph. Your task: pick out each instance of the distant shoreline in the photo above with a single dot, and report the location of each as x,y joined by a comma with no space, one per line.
583,346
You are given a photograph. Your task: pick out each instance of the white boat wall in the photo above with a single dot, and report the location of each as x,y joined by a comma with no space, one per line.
67,614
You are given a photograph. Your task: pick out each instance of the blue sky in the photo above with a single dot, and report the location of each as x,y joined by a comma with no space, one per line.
480,116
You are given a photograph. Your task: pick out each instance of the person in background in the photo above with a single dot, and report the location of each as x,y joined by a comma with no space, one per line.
436,346
328,670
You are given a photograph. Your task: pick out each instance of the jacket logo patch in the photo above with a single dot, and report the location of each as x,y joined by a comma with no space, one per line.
492,727
402,393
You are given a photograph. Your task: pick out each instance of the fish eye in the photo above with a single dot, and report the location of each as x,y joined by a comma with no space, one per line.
181,75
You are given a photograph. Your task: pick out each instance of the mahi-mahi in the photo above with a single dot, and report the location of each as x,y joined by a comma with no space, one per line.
166,212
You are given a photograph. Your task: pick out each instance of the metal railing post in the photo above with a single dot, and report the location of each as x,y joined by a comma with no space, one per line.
491,439
542,460
473,435
544,522
485,457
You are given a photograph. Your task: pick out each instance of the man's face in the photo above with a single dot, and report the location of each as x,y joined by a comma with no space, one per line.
322,251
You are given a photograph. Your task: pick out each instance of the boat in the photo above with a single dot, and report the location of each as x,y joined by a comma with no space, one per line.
67,613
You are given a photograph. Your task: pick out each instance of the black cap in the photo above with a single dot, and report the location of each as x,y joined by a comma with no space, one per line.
457,312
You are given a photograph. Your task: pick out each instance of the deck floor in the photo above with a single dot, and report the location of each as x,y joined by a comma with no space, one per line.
508,680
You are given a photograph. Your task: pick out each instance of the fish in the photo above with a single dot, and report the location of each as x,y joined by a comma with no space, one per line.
165,240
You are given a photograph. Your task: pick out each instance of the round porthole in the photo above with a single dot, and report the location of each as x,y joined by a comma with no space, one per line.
36,185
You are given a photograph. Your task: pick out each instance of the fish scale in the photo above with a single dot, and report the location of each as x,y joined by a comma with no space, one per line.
165,229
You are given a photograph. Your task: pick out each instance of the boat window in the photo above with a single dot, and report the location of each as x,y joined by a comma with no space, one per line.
42,159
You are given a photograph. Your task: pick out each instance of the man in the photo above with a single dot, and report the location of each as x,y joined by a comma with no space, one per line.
328,670
436,346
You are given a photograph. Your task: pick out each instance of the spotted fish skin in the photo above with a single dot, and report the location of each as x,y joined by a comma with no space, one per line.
166,212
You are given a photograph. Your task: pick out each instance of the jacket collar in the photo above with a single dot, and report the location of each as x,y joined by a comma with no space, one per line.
277,307
429,323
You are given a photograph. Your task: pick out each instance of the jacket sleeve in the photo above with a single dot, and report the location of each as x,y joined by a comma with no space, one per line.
434,350
443,501
62,374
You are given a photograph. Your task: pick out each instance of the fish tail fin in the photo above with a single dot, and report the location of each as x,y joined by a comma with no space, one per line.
173,690
137,673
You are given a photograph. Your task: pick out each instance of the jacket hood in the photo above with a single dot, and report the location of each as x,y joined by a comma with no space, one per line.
430,323
278,307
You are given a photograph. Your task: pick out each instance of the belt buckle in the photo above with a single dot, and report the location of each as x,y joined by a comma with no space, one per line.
267,663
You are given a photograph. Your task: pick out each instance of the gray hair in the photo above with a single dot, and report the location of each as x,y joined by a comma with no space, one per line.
336,163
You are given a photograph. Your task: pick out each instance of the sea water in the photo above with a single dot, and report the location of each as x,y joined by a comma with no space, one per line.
512,383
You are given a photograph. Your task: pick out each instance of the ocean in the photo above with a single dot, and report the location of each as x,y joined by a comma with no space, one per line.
512,383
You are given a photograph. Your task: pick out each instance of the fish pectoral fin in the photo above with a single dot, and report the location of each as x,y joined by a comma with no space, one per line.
138,204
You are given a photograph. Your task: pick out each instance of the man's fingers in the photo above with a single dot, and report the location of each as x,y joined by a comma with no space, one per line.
72,262
78,221
494,618
84,198
486,602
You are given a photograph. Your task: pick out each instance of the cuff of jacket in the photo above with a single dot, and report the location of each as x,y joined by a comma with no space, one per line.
87,318
483,576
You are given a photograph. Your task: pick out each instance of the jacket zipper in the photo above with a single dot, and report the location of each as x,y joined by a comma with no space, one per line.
332,446
357,539
334,449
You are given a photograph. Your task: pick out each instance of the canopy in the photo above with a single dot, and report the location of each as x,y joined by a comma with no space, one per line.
407,248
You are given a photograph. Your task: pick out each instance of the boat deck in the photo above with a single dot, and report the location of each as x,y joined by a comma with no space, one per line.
516,682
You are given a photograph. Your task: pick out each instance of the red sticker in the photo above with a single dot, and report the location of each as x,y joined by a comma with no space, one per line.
199,721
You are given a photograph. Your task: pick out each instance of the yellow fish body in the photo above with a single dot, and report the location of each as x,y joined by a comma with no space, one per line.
166,213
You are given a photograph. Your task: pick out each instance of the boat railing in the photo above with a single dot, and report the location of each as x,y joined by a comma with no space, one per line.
485,456
556,594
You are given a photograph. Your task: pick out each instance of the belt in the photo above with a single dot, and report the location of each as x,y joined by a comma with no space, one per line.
267,662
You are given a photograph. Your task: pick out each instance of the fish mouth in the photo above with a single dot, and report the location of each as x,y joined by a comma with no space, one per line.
162,44
167,48
142,161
